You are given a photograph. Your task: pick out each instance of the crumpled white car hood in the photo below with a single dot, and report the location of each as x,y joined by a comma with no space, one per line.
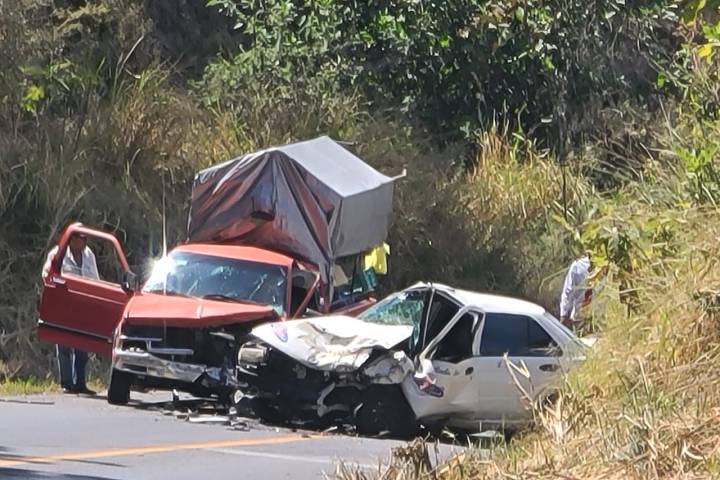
334,343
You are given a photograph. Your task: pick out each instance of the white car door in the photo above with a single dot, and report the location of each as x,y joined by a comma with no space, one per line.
519,361
446,383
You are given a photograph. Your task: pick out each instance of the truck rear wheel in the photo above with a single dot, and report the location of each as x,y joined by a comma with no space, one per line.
119,388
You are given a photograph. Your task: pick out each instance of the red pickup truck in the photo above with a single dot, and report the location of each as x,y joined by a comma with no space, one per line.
314,201
182,328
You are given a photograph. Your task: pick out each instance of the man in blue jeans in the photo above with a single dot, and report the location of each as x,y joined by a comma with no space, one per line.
78,260
71,365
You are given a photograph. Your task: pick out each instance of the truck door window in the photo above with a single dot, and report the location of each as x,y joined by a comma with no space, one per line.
302,281
98,260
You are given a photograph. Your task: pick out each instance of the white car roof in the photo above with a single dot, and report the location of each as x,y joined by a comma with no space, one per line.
488,302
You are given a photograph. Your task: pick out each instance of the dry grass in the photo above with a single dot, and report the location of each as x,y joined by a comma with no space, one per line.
469,222
26,386
646,405
11,387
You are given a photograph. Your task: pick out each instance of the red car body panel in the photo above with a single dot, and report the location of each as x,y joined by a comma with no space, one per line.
157,309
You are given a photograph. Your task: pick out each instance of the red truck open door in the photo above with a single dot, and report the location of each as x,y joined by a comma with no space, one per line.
82,312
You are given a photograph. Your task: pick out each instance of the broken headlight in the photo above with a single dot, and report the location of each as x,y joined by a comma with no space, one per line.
252,353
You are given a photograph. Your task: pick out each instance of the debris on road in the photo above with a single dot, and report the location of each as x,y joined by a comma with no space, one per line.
210,419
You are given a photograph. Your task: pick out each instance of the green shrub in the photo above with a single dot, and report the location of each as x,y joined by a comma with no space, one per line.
553,67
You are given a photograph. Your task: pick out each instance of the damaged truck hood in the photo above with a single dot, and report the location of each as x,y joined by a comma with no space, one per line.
334,343
157,309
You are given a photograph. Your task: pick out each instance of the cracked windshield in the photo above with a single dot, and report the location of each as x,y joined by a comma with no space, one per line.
402,309
217,278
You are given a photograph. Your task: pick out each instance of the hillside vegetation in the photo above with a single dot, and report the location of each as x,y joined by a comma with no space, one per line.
529,130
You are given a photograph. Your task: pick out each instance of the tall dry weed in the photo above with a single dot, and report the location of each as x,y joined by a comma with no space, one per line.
647,402
107,165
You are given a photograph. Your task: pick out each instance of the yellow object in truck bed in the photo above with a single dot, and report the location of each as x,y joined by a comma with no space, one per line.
376,259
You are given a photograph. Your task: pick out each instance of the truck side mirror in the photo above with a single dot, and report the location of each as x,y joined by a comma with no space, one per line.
129,282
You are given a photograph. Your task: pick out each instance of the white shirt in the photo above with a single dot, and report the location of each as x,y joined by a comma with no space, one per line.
573,292
69,265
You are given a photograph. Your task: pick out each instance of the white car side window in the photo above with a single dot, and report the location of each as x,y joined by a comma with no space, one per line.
516,335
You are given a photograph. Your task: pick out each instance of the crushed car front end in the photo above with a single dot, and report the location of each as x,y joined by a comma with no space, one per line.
430,356
282,389
316,371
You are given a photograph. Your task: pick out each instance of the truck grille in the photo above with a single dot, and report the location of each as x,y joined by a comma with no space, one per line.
206,346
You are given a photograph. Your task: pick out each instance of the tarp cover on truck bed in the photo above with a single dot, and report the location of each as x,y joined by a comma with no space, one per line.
313,199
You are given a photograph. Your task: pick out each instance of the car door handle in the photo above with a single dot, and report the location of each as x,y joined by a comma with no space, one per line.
58,280
549,367
469,370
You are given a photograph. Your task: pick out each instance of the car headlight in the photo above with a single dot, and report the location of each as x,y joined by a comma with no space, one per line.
253,353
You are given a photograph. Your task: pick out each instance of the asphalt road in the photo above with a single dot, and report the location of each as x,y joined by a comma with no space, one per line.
63,437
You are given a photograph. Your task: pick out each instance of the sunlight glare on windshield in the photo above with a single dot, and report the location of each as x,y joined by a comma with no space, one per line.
161,268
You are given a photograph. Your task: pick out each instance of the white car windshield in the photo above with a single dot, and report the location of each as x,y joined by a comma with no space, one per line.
219,278
404,308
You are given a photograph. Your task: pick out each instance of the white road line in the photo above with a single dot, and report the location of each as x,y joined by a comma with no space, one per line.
281,456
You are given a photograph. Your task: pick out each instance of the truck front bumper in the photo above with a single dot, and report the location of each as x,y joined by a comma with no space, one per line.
147,364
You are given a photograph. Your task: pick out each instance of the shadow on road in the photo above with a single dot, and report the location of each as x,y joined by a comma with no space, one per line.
17,473
30,460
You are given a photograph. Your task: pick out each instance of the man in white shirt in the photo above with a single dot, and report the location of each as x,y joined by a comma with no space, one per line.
575,290
78,260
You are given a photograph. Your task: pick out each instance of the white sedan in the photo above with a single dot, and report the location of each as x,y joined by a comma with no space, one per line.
429,355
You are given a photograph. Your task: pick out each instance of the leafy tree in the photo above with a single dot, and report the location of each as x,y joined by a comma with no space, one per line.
459,63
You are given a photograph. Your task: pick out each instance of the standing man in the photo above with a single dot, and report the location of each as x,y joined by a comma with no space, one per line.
575,290
78,260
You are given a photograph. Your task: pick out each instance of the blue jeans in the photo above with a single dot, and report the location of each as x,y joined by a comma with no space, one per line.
71,365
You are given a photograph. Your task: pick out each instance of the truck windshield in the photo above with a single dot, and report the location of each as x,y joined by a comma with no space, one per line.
218,278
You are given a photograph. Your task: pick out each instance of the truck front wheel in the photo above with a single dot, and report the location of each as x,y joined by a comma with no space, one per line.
119,388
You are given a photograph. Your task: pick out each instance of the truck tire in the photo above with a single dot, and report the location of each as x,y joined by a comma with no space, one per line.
119,388
384,408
